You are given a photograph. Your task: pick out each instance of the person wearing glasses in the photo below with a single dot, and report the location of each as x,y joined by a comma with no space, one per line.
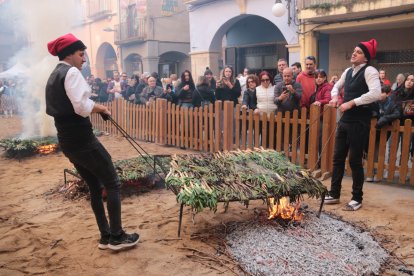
288,93
249,95
228,87
264,94
307,81
362,87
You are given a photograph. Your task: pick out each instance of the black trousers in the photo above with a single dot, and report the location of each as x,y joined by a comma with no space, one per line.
95,166
350,136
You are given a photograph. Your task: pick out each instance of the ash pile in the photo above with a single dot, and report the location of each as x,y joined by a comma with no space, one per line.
317,246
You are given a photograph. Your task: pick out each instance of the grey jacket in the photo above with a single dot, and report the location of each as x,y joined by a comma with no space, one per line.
290,103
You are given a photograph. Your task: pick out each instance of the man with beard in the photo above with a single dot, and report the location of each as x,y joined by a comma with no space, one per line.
307,80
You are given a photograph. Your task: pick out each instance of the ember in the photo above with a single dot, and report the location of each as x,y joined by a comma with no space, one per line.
46,149
284,210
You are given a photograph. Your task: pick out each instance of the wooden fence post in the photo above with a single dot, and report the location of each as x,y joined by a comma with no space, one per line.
313,143
228,119
217,125
161,121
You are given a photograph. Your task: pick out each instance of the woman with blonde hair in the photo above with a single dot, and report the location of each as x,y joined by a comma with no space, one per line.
228,87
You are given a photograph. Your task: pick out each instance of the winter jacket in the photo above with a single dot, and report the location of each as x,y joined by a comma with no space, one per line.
292,102
250,99
202,95
308,87
323,95
224,93
185,96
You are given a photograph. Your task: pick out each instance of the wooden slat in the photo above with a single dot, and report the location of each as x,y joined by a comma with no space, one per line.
295,122
264,130
169,122
218,125
195,130
286,133
154,121
211,126
237,135
173,125
302,139
177,126
381,152
279,127
190,128
313,145
186,128
136,120
256,130
243,129
226,125
395,135
371,149
205,128
200,129
405,149
251,130
272,130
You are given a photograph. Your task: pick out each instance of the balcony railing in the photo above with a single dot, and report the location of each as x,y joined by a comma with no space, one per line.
98,8
132,31
322,4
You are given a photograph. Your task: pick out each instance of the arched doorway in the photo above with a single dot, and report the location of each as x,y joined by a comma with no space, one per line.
133,64
106,61
250,41
172,63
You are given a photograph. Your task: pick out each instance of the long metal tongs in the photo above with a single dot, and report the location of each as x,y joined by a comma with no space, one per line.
136,146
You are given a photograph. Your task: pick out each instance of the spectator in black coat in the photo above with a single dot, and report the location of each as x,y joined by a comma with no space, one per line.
185,90
203,95
228,87
143,82
249,95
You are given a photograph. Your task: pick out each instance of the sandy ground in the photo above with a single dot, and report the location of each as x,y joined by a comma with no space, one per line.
42,233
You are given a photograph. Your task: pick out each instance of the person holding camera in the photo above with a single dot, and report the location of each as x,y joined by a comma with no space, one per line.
287,93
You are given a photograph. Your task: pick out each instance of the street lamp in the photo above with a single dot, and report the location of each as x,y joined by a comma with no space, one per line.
278,9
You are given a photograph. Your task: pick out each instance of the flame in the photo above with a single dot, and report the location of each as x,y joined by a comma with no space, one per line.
284,209
46,149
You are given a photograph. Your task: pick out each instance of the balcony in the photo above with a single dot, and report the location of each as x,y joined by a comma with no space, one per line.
339,10
130,32
99,9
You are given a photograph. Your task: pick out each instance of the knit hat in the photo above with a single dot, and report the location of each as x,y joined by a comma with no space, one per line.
208,72
369,48
65,45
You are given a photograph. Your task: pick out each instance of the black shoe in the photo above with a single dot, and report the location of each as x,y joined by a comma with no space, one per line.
123,241
103,242
331,200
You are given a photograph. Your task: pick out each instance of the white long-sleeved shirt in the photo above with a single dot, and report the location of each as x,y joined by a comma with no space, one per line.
265,99
372,79
78,92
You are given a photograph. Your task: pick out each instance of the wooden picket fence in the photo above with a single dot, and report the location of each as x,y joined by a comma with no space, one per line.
219,127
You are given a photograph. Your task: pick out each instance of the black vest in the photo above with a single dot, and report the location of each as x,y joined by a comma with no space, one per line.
354,88
74,131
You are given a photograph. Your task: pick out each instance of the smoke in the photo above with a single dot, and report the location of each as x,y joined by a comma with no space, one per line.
42,21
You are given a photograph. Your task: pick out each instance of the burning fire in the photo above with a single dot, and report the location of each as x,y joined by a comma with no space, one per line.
284,209
47,149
